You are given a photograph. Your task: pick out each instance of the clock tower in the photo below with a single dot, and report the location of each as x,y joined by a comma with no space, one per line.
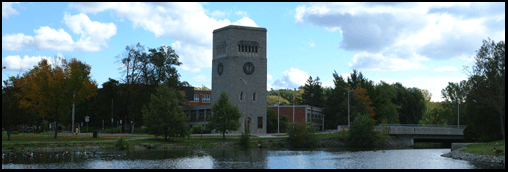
239,69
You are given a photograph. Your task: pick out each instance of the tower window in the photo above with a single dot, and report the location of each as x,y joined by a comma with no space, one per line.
241,96
253,96
260,122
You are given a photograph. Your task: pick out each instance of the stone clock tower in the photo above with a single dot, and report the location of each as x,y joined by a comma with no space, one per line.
239,69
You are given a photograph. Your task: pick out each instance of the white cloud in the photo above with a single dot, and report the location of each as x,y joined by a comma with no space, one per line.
93,35
292,78
7,9
241,13
378,62
407,32
445,68
16,63
268,77
311,43
187,23
202,78
16,41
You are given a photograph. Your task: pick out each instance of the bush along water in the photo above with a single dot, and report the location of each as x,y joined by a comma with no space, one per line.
121,143
303,136
245,139
362,133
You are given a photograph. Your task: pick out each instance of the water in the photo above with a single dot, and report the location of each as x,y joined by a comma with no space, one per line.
238,158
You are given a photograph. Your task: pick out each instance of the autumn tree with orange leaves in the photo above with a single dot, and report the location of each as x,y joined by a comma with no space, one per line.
50,90
359,95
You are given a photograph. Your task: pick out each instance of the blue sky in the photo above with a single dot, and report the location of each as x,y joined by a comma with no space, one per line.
423,45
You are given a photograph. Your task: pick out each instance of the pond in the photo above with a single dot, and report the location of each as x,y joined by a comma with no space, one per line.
242,159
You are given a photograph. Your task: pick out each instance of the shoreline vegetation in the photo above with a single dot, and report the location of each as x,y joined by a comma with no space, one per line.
479,152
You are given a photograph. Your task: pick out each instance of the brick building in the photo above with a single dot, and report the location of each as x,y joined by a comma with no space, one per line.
302,113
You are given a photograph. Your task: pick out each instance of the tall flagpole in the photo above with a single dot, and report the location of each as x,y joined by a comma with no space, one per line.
294,100
278,111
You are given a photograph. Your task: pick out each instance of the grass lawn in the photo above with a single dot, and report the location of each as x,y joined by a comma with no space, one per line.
46,140
486,148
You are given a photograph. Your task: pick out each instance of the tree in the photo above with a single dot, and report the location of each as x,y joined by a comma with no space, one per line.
271,121
411,102
362,133
272,100
225,116
488,78
12,114
163,116
335,108
363,104
51,90
383,101
438,115
454,95
313,92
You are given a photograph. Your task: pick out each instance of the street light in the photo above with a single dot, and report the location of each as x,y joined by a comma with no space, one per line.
348,104
458,105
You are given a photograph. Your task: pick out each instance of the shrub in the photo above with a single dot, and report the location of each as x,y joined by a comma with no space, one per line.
197,129
303,136
121,143
361,133
245,139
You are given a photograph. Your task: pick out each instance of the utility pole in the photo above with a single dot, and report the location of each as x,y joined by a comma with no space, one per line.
72,126
111,116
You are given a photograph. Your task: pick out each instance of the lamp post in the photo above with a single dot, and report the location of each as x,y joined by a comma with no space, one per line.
348,119
87,118
458,108
245,100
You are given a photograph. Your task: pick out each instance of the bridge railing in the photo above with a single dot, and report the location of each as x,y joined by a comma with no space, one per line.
339,127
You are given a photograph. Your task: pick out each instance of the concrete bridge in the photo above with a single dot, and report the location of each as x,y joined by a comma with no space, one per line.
409,133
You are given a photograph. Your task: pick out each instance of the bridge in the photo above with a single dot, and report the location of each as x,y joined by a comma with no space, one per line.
408,133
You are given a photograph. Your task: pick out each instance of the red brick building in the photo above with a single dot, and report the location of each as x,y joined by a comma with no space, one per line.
302,113
201,98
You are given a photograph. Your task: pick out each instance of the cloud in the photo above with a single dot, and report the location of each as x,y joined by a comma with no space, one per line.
93,35
187,23
268,77
241,13
292,78
311,43
202,78
445,68
379,62
16,63
7,9
407,32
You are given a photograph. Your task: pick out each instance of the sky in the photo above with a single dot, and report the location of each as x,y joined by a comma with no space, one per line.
423,45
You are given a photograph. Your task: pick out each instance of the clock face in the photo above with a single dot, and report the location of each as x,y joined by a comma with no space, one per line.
220,68
248,68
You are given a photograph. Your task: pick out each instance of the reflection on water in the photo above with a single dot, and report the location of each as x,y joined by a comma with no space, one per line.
238,158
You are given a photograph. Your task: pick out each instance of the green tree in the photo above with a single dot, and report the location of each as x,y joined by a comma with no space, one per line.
335,108
163,116
272,100
271,120
488,78
383,101
225,116
12,114
437,115
411,102
313,92
362,133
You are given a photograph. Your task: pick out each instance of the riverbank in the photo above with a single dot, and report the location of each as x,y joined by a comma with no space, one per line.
480,153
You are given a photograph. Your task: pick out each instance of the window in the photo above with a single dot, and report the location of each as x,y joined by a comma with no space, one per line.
206,99
260,122
196,97
241,96
253,97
